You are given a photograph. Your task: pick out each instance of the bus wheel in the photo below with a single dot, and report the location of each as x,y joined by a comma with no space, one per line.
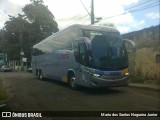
72,82
40,75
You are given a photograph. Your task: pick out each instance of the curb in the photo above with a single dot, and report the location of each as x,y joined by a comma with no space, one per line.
145,86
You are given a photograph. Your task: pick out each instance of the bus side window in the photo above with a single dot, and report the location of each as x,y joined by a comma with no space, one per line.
80,52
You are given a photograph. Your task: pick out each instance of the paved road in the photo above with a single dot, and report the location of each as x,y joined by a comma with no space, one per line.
29,93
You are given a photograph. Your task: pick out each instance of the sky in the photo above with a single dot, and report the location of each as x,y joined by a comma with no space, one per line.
126,15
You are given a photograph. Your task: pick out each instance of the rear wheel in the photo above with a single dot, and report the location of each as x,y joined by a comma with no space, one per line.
72,82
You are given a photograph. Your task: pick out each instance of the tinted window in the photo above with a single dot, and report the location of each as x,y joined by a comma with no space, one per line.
80,51
108,50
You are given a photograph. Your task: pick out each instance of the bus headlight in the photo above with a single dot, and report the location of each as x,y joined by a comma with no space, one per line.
96,75
126,74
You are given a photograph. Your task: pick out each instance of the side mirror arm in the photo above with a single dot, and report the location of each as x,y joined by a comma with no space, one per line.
132,43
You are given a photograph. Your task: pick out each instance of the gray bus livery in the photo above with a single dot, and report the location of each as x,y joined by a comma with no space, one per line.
83,55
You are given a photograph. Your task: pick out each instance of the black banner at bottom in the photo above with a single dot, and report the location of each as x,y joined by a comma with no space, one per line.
80,114
101,114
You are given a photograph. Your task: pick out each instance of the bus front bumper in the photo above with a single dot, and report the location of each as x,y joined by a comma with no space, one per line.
100,82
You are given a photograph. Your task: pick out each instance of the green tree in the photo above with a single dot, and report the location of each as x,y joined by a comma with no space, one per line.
22,32
3,40
42,20
15,28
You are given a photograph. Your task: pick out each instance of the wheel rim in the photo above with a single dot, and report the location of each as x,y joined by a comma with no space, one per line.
72,83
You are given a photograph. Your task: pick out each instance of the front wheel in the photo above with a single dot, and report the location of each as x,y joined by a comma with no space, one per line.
72,82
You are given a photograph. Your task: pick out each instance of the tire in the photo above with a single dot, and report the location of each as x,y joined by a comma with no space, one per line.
72,83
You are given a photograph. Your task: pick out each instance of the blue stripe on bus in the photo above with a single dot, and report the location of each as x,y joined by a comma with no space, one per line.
100,72
115,73
112,73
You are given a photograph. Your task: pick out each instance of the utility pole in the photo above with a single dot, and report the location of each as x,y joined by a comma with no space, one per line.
21,49
92,12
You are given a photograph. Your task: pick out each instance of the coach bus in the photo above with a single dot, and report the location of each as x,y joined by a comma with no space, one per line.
83,55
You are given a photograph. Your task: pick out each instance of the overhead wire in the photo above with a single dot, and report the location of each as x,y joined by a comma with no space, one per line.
131,10
139,4
85,8
79,15
74,21
134,10
85,20
147,6
79,18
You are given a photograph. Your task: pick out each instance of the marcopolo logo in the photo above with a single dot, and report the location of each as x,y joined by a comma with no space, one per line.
6,114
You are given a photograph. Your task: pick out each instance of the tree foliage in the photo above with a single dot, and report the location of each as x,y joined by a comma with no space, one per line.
41,18
22,32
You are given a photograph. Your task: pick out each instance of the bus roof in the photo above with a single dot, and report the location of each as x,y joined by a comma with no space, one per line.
87,27
96,27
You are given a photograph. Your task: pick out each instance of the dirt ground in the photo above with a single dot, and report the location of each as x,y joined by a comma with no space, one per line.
27,93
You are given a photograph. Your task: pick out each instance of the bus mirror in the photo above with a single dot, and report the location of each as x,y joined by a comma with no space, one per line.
131,43
88,43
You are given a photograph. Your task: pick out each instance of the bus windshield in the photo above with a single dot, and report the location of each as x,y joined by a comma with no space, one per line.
107,52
